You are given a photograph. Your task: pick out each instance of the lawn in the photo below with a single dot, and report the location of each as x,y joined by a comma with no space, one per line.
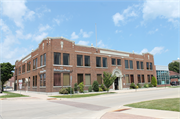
171,104
12,95
80,95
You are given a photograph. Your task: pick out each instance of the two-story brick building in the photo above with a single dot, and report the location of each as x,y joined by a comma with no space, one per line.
49,67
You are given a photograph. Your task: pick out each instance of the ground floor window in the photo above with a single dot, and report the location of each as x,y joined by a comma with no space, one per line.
139,78
99,79
132,78
42,79
87,79
142,78
148,76
34,81
23,82
127,78
66,79
79,78
29,82
57,79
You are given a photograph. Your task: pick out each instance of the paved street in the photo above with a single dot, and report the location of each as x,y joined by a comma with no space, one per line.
83,108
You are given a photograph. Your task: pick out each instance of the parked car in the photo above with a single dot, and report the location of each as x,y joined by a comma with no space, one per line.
173,83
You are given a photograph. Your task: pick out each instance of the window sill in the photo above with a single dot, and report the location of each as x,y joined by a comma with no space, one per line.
140,69
129,69
113,65
83,66
102,67
28,71
34,87
62,65
57,86
149,70
34,69
66,86
42,87
87,85
119,65
23,73
41,66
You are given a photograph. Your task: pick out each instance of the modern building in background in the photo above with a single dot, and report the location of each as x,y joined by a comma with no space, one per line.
162,73
178,60
57,60
174,76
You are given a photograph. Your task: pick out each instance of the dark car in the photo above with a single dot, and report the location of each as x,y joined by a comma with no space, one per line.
173,83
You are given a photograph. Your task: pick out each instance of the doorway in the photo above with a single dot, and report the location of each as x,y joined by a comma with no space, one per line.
116,84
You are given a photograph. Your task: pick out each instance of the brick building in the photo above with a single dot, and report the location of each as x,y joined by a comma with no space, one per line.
49,67
174,76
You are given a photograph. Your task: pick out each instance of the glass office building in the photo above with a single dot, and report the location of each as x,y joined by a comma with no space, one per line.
162,73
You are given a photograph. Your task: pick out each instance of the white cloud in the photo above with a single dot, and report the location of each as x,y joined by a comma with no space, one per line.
42,10
83,42
101,44
144,51
118,31
74,36
155,50
17,11
85,34
44,28
20,35
58,21
153,31
40,37
168,9
117,17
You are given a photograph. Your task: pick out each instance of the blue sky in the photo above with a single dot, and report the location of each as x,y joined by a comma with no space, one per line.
139,26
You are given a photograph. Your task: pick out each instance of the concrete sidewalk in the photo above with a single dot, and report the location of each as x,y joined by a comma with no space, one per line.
140,113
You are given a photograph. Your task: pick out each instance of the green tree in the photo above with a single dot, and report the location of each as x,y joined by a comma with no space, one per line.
81,87
6,72
108,79
95,86
154,81
174,66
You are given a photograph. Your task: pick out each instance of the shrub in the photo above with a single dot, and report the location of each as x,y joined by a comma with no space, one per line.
75,87
81,87
136,87
132,86
139,86
70,90
100,89
95,86
154,81
146,85
63,91
103,87
150,85
90,89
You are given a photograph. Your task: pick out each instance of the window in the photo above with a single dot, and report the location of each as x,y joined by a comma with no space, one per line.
98,61
87,79
79,60
104,62
137,63
80,78
126,64
113,61
65,59
41,60
42,79
142,66
57,58
57,79
118,61
34,81
127,78
44,57
139,78
147,65
66,79
28,66
23,68
99,79
29,81
132,78
87,60
149,80
142,78
23,82
131,64
35,63
150,66
19,70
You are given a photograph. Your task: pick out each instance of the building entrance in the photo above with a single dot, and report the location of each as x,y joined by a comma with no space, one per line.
116,84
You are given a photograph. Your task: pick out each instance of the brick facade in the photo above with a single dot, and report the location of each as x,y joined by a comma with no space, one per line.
62,45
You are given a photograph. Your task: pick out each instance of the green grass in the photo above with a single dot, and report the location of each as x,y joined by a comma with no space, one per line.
81,95
171,104
12,95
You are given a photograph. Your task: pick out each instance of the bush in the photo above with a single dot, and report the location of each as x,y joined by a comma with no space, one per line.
81,87
90,89
150,85
154,81
136,87
132,86
70,90
75,87
95,86
63,91
100,89
146,85
103,87
139,86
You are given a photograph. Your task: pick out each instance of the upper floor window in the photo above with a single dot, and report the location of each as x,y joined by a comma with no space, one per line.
28,66
87,60
118,61
126,64
19,70
57,58
44,57
98,61
151,66
147,65
79,60
23,68
137,63
104,62
131,64
35,63
142,66
113,61
41,60
65,59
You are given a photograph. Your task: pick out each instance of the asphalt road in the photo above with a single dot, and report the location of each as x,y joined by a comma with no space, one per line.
82,108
